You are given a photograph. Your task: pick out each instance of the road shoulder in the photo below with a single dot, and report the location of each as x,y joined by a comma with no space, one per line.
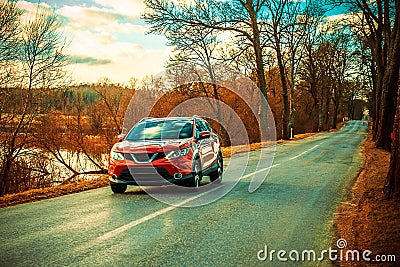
366,220
51,192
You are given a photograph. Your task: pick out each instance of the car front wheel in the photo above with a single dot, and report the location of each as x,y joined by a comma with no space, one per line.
217,174
118,188
197,175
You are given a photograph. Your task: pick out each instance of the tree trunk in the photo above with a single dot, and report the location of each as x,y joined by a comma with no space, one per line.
316,116
292,109
389,96
385,126
224,135
351,108
326,116
335,113
372,97
4,177
261,83
392,187
380,69
286,105
316,105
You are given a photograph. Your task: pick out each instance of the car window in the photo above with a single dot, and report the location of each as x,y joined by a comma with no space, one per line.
160,130
202,126
198,128
207,126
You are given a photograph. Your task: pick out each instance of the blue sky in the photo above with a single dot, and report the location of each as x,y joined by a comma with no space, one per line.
107,38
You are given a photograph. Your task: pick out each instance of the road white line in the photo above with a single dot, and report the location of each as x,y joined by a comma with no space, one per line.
275,165
132,224
305,152
151,216
261,170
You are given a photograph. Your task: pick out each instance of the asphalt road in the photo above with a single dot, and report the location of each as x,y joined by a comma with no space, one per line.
292,210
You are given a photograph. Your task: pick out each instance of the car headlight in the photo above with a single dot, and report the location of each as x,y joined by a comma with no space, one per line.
117,155
177,153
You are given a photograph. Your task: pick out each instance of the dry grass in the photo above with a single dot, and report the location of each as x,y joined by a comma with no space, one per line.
297,137
368,220
229,151
50,192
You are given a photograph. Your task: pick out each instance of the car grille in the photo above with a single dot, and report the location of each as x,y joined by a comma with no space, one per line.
144,157
145,174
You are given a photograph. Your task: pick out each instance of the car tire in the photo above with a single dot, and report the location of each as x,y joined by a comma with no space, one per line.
118,188
197,175
216,176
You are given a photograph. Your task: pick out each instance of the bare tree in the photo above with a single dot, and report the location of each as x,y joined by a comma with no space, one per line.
378,24
196,49
277,11
295,40
286,37
41,61
9,43
310,71
244,18
344,66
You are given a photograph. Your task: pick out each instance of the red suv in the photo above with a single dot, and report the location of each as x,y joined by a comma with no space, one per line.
159,151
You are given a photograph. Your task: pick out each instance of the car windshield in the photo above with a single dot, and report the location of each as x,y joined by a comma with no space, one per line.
160,130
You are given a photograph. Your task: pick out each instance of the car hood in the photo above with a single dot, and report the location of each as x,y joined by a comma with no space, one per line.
150,146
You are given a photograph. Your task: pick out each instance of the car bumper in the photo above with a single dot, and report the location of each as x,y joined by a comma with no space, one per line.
148,174
154,180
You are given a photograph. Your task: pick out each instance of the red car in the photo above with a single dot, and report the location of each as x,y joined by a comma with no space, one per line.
159,151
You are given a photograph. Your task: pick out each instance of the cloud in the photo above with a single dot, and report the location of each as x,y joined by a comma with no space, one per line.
30,10
127,59
124,66
130,8
31,7
89,60
332,22
98,19
107,39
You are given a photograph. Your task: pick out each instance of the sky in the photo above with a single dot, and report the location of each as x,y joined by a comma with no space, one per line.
107,38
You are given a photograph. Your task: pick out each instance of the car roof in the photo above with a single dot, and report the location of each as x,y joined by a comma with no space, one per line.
169,119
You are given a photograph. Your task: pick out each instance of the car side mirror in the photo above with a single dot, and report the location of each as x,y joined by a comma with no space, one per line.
204,135
121,137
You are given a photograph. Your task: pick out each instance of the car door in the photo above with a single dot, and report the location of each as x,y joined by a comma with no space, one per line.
205,145
214,143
